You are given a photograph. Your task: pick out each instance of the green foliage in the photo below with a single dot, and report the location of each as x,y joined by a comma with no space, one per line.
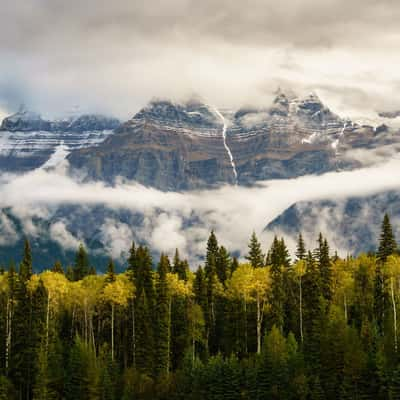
255,256
81,267
320,328
387,242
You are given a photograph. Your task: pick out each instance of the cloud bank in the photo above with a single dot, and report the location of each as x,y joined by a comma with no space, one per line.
233,212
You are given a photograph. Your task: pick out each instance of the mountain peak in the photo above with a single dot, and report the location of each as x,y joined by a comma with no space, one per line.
191,112
24,120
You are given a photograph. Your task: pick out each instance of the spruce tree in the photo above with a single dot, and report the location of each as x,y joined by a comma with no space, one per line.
301,252
325,267
223,264
387,241
211,255
255,255
279,262
25,268
144,311
110,274
132,260
163,319
81,267
235,265
180,267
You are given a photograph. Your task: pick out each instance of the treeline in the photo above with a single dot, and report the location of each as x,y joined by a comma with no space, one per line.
317,327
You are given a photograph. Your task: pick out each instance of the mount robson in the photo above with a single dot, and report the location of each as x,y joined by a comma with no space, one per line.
175,171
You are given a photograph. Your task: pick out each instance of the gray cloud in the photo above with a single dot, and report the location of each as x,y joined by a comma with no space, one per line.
115,56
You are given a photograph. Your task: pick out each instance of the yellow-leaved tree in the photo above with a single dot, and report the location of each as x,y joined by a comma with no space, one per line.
57,287
392,270
250,284
117,293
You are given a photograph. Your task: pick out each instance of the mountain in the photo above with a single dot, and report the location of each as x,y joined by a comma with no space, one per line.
188,146
27,141
352,224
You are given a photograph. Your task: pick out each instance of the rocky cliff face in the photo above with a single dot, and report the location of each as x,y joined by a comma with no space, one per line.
182,146
352,224
167,146
27,141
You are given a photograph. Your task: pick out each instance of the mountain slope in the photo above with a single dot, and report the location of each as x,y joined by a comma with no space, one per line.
27,141
193,146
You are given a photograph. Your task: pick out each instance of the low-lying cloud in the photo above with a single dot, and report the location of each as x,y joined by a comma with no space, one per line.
233,212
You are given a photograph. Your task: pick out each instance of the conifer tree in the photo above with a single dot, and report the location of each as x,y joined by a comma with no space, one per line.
110,274
387,247
180,267
57,267
132,260
144,310
301,252
387,242
81,267
223,264
255,255
279,259
163,319
211,255
313,310
200,288
235,265
325,267
25,268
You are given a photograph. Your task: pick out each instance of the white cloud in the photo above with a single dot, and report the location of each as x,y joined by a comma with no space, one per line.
60,233
8,233
232,211
117,237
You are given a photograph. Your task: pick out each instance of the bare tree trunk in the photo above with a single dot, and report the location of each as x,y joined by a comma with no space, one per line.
345,307
258,325
394,314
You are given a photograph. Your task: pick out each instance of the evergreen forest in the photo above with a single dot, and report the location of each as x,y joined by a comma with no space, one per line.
268,326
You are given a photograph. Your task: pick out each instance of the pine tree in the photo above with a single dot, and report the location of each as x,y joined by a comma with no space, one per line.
235,265
325,267
211,255
223,264
144,311
387,241
110,274
81,266
163,317
25,268
255,255
301,252
132,260
279,259
313,311
180,267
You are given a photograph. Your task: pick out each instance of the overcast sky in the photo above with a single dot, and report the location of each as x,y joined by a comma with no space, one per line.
113,56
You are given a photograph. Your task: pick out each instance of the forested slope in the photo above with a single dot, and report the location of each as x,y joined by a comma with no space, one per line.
316,327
